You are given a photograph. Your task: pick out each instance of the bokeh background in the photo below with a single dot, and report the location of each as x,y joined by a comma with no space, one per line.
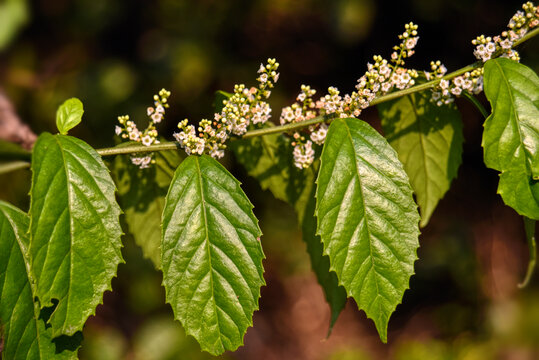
114,55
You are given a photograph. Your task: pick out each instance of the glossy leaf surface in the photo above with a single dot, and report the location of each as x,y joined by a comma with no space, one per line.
211,254
367,218
74,230
25,334
511,133
69,115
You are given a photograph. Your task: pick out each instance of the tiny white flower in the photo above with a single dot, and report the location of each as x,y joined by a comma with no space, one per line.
147,140
118,130
157,117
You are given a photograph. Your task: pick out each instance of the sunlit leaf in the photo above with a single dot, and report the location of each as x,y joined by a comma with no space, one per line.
211,254
25,334
367,218
69,115
511,133
428,140
74,230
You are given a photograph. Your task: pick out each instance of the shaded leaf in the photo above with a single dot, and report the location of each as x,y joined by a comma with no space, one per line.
334,293
142,197
25,334
428,140
511,133
269,160
211,254
367,218
74,230
69,115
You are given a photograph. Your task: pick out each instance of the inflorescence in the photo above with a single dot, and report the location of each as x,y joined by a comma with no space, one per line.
380,78
247,108
485,49
128,129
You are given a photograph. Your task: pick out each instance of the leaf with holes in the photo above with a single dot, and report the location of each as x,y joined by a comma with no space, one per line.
428,140
367,218
511,133
142,197
25,334
74,230
211,254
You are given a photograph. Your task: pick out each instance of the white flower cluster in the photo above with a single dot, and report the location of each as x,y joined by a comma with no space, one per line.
501,45
128,129
243,108
485,49
380,78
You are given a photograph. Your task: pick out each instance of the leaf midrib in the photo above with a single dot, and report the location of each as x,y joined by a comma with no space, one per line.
363,208
71,226
513,109
208,247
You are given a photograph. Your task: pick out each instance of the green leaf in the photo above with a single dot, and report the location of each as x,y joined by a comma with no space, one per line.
75,232
511,133
269,160
142,197
69,115
428,140
265,159
13,15
211,254
25,334
367,218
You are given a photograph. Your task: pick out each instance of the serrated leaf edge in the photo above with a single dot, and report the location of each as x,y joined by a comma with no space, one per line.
187,332
326,252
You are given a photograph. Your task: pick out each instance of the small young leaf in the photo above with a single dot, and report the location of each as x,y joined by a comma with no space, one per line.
142,197
428,140
75,231
511,134
25,334
367,218
69,115
211,254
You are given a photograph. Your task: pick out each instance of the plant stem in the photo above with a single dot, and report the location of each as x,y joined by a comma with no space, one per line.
529,226
130,149
13,165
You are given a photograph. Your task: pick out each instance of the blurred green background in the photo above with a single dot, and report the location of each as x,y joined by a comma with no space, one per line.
114,55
